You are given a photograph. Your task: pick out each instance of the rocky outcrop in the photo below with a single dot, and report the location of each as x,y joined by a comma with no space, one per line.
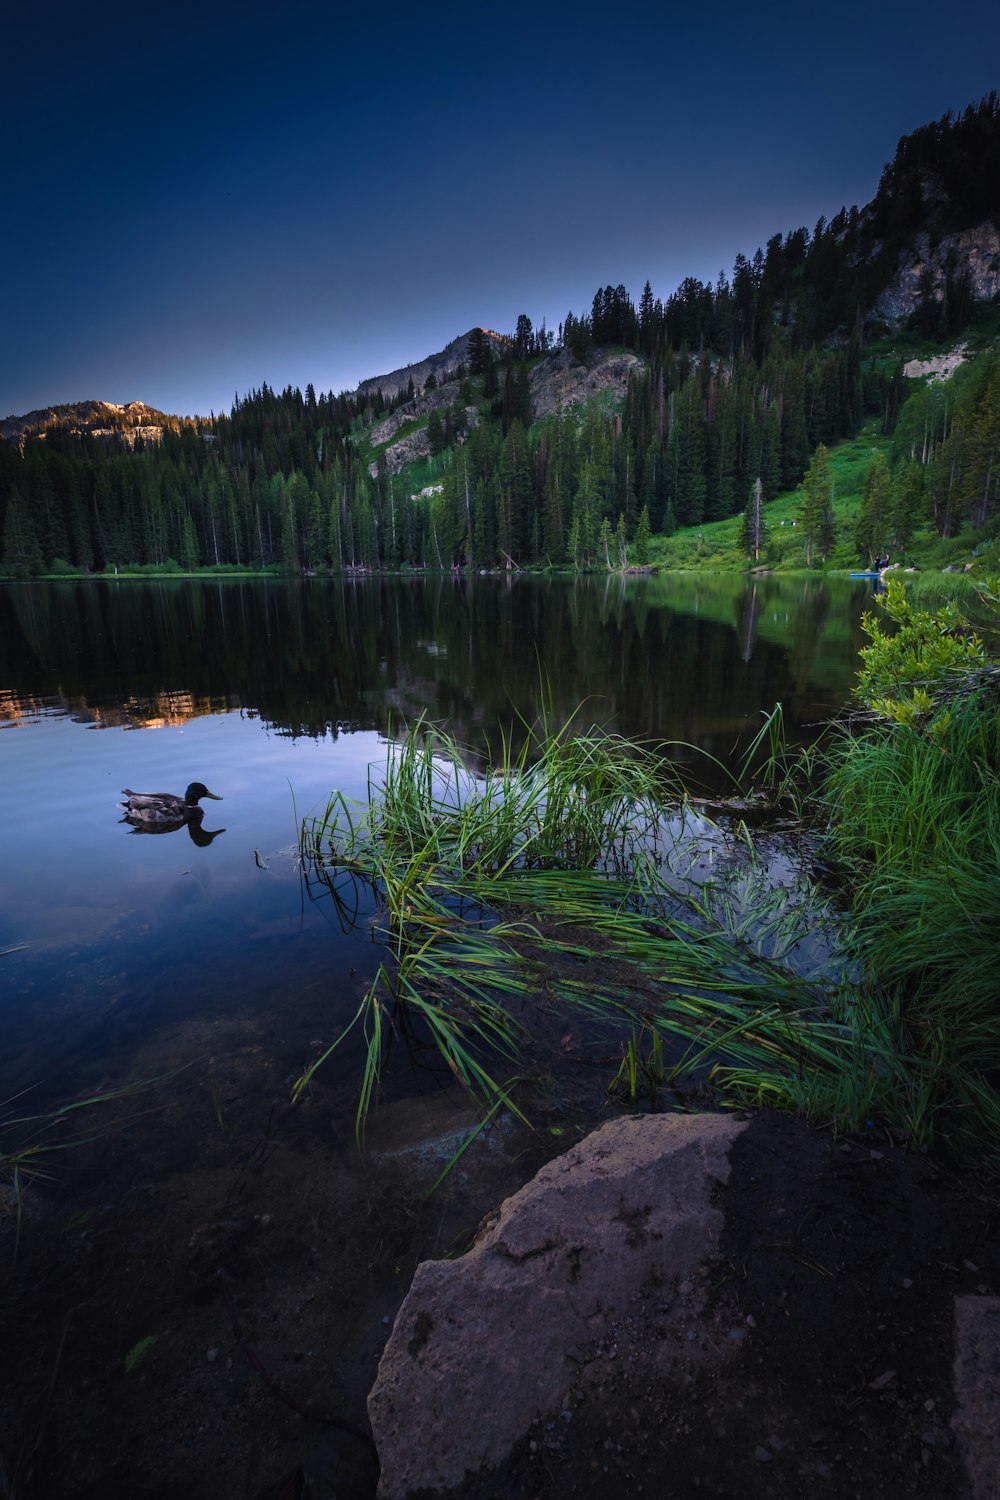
938,367
129,435
421,406
418,445
976,251
561,381
132,423
386,430
486,1345
557,382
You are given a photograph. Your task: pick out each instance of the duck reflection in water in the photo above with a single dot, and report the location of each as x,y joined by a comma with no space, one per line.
165,812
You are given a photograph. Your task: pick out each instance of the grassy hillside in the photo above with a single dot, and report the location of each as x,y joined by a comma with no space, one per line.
716,545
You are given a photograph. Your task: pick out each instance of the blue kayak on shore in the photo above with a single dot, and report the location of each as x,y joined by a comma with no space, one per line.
866,575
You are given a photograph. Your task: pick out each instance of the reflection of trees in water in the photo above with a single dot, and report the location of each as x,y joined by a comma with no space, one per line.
808,625
748,623
648,658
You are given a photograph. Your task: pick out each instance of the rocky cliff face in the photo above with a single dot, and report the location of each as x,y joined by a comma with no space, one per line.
421,406
976,251
418,444
560,381
557,382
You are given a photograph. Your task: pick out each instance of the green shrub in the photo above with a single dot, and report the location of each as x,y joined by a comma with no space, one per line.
902,668
913,803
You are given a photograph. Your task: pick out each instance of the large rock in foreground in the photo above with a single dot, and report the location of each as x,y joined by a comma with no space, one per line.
486,1345
976,1422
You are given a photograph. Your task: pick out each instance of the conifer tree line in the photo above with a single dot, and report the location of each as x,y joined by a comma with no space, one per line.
284,480
733,387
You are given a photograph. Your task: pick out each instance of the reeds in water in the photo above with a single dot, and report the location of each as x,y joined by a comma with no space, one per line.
574,872
568,875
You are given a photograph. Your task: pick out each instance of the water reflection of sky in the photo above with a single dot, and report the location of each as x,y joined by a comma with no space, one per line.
127,936
105,913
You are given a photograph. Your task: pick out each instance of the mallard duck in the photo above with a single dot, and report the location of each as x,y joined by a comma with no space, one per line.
162,808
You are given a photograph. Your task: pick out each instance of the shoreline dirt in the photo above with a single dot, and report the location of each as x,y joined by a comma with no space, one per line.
836,1277
265,1260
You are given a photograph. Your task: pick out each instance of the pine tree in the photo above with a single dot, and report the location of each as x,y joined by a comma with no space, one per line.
641,541
794,436
874,517
524,338
515,476
907,504
435,433
81,546
491,385
815,514
981,455
721,492
553,516
604,543
647,321
289,533
484,553
190,554
478,346
586,523
754,531
448,513
653,492
770,452
621,545
334,538
685,458
22,554
522,395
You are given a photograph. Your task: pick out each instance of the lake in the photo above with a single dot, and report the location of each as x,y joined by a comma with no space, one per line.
139,951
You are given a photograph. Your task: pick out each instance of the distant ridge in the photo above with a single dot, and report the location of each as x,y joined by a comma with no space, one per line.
926,248
135,420
441,366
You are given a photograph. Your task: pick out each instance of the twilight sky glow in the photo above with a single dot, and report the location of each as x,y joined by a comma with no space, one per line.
201,198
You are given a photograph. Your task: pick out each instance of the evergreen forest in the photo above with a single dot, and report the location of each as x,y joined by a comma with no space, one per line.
738,390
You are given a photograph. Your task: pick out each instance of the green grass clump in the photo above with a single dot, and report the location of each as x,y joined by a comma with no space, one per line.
915,824
563,877
571,873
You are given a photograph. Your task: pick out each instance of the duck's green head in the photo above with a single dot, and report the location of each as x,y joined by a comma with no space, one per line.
197,790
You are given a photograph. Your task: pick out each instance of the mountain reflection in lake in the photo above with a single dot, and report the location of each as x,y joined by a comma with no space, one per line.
276,694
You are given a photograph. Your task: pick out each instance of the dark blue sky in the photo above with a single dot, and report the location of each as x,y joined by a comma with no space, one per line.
200,198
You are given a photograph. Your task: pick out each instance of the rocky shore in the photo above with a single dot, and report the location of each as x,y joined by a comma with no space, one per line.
675,1304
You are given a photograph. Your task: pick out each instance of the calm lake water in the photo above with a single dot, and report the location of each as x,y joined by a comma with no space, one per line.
275,694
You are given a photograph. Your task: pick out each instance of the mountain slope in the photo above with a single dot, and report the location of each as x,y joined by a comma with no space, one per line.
441,366
642,419
131,422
